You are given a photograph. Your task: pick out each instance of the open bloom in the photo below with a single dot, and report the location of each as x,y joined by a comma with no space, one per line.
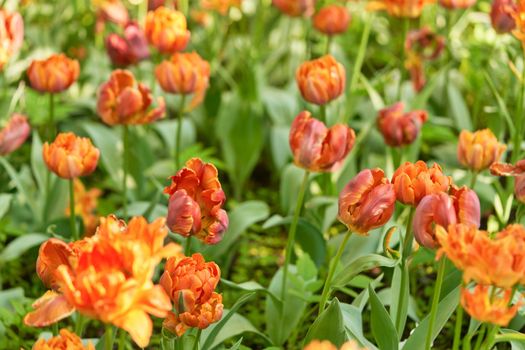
332,19
413,181
128,49
478,150
11,35
54,74
517,171
316,147
367,201
196,200
400,128
166,29
85,206
400,8
485,306
190,282
321,80
123,100
70,156
501,16
295,8
65,340
14,134
457,4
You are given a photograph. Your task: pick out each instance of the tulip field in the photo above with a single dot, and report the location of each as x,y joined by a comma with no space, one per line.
262,174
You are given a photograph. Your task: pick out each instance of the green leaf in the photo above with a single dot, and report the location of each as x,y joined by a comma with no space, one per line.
363,263
20,245
398,311
37,162
383,328
515,338
5,202
328,326
353,323
250,286
458,108
6,296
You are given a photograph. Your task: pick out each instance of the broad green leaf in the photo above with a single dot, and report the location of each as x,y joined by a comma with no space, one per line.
37,162
250,286
458,108
383,328
5,202
400,289
363,263
353,323
515,338
20,245
289,187
328,326
10,294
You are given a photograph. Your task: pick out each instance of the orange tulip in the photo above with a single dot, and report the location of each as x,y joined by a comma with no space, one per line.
11,35
321,80
54,74
367,201
413,181
399,128
501,16
85,206
400,8
221,6
478,150
457,4
295,8
123,100
166,29
70,156
485,306
14,134
326,345
517,171
65,340
112,11
316,147
190,282
184,73
332,19
195,204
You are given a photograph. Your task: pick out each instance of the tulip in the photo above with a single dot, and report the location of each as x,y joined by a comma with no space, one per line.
155,4
316,147
332,20
70,156
483,305
14,134
400,8
110,11
501,16
326,345
221,6
130,49
295,8
11,35
399,128
413,181
52,254
517,171
321,80
65,340
166,29
85,206
54,74
456,4
367,201
478,150
123,100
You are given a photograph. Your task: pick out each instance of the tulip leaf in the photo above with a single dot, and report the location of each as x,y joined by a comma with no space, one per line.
400,288
328,326
353,323
458,108
20,245
250,286
363,263
5,203
383,328
37,162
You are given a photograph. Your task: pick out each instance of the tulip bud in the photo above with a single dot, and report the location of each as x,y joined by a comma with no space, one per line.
295,8
321,80
501,16
70,156
457,4
367,201
399,128
332,20
316,147
112,11
166,29
466,205
184,214
14,134
11,35
54,74
127,50
478,150
400,8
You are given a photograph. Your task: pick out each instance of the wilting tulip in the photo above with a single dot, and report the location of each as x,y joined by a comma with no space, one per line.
221,6
332,19
85,206
457,4
517,171
14,134
501,16
399,128
129,49
65,340
190,282
70,156
123,100
166,29
54,74
483,305
11,35
196,200
367,201
295,8
316,147
400,8
321,80
478,150
413,181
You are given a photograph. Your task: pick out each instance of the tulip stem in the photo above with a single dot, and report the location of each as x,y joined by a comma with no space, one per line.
187,246
125,170
328,44
435,301
142,10
322,113
72,218
54,328
180,114
108,336
518,120
457,328
51,127
291,233
474,177
122,340
197,337
331,272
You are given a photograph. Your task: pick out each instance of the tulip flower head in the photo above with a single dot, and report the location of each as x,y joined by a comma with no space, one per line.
332,20
321,80
166,29
190,282
326,345
478,150
483,305
501,16
316,147
54,74
11,35
65,340
128,49
367,201
399,128
123,100
295,8
220,6
85,206
195,203
110,11
400,8
517,171
457,4
70,156
14,134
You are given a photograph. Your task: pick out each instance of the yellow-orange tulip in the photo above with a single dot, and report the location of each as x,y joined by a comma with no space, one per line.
485,306
478,150
166,29
54,74
326,345
85,206
400,8
66,340
221,6
457,4
321,80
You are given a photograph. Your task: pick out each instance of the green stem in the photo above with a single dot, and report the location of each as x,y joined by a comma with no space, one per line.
331,272
474,177
122,340
196,342
180,114
489,341
72,221
51,127
187,246
109,337
409,236
435,301
54,328
518,121
79,325
291,234
328,44
457,328
125,141
142,11
407,249
481,335
322,113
